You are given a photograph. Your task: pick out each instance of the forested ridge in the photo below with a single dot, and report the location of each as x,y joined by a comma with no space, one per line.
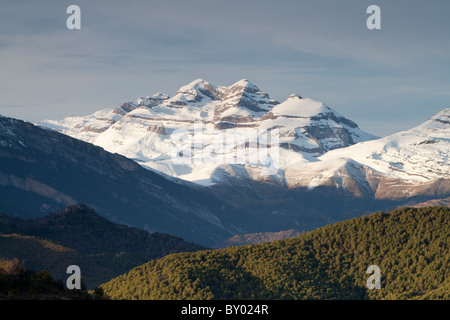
78,235
81,228
410,246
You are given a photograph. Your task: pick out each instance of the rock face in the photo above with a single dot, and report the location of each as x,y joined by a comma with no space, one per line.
240,104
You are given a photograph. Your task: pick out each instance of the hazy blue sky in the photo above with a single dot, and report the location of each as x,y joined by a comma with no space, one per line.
386,80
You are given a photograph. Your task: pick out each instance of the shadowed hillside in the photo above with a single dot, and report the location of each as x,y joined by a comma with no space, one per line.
77,235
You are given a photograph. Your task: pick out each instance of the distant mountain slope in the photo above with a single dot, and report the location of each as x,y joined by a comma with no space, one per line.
435,203
77,235
255,238
43,170
410,246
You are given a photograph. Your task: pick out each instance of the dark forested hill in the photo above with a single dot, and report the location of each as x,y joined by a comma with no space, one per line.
411,246
82,229
77,235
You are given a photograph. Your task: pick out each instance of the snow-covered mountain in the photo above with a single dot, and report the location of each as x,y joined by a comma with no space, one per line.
205,132
408,163
215,135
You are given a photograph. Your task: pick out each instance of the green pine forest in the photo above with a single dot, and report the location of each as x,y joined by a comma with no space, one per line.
410,246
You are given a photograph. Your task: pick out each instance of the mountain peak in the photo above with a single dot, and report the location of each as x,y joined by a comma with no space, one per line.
442,115
196,85
197,90
246,85
296,106
243,100
294,96
441,120
160,96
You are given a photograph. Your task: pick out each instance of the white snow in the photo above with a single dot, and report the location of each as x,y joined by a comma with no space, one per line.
295,106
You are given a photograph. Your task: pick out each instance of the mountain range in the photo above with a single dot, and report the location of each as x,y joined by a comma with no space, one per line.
192,166
318,168
316,146
222,167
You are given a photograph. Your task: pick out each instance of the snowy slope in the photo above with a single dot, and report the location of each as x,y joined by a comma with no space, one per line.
409,162
311,126
418,154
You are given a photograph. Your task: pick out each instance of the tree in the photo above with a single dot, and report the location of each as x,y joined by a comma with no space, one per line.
45,280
